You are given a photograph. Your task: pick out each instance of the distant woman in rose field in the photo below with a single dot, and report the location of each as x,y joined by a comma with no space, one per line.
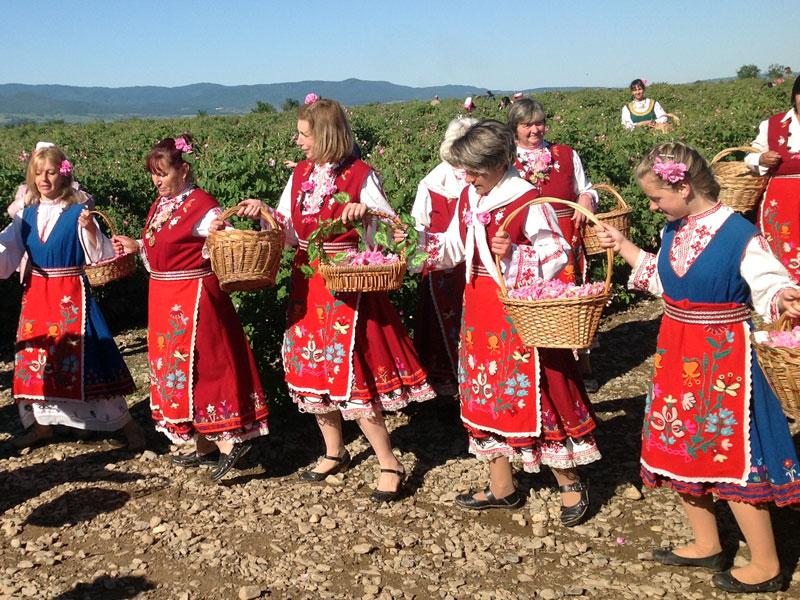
204,383
779,215
712,423
346,355
441,292
641,111
68,370
516,401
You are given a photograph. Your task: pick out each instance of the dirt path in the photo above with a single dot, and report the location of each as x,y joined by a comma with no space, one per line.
91,521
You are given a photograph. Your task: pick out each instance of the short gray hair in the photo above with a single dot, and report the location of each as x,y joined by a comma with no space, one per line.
525,110
455,129
484,147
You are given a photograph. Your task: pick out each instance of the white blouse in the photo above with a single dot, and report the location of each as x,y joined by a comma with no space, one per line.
764,273
444,179
641,106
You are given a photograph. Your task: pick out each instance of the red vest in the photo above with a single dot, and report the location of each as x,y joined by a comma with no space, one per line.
175,248
561,182
349,178
790,163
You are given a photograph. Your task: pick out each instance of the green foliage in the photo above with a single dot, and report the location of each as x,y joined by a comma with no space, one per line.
264,107
290,104
202,113
748,72
775,70
242,157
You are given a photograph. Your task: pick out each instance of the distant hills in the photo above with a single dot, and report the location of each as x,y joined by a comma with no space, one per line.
20,102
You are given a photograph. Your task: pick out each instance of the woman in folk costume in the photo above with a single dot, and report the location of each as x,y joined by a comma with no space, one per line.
712,424
68,370
641,111
204,385
779,214
556,171
346,355
515,400
441,293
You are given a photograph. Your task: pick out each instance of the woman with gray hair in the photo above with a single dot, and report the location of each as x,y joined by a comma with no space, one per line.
516,401
439,306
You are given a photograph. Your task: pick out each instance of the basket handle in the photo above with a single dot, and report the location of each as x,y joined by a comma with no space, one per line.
727,151
265,214
106,219
605,187
578,207
673,118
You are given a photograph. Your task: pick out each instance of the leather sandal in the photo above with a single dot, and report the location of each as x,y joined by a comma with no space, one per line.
470,502
196,460
727,582
343,463
227,461
572,515
381,496
715,562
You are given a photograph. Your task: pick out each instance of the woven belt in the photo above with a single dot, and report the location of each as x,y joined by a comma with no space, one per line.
57,271
793,176
708,317
565,212
480,271
180,275
331,246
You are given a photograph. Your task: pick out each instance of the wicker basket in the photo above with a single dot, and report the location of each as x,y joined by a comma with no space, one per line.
365,278
620,218
558,322
740,188
781,367
246,260
667,127
110,269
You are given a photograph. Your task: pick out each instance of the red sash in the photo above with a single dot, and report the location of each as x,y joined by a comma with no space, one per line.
697,417
49,353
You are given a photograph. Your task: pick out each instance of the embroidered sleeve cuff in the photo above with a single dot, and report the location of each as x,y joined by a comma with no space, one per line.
644,272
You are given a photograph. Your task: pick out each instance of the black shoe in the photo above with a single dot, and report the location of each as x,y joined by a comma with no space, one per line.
715,562
727,582
196,460
227,461
342,466
381,496
470,502
572,515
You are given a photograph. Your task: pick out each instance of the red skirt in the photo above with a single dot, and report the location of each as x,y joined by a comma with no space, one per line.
779,220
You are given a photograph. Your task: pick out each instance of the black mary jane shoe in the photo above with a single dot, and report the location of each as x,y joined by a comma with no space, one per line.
381,496
727,582
342,464
227,461
470,502
572,515
715,562
196,460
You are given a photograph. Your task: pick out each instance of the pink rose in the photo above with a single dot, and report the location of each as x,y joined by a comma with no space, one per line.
307,186
65,168
311,98
182,145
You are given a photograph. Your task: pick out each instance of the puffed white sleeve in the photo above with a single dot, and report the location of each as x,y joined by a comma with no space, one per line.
11,248
582,183
644,275
627,122
766,277
761,144
283,214
547,254
422,207
103,250
661,114
372,195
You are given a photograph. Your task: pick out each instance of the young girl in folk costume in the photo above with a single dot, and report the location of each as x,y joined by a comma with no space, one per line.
441,292
204,385
779,214
515,400
345,356
641,111
712,423
68,370
556,171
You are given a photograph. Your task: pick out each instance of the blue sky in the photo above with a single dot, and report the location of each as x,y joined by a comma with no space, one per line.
504,45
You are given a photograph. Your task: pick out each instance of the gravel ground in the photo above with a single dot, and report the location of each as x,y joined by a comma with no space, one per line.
89,520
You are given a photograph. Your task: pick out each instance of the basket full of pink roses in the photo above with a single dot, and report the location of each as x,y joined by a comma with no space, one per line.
777,347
